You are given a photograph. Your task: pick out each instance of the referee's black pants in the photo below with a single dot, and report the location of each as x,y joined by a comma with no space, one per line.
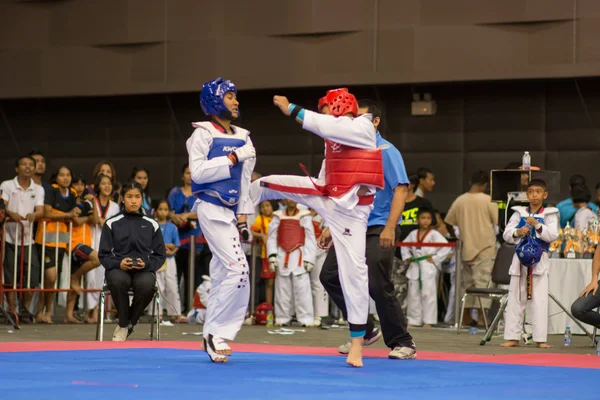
381,289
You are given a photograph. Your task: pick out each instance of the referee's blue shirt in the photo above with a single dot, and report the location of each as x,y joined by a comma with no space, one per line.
395,174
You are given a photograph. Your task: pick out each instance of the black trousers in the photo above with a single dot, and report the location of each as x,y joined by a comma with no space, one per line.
381,289
119,283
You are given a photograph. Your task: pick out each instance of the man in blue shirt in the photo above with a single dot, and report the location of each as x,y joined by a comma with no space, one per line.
382,234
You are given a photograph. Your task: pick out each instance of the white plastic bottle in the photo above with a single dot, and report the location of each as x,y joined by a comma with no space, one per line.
526,161
568,336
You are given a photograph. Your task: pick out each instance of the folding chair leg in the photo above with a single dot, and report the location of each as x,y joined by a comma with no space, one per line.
483,312
579,324
490,331
595,331
157,321
100,322
153,317
462,313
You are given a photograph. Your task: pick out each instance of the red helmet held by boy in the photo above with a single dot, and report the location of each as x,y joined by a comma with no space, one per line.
341,102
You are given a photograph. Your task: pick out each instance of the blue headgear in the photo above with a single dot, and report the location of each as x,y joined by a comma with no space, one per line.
529,252
211,98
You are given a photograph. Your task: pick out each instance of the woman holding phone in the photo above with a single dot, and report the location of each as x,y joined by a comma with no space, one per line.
131,250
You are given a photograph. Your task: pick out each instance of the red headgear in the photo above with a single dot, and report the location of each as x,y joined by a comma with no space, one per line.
341,102
322,102
260,315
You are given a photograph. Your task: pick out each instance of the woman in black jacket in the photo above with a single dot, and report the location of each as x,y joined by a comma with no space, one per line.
131,250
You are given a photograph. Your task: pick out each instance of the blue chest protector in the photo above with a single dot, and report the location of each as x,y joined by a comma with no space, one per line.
226,192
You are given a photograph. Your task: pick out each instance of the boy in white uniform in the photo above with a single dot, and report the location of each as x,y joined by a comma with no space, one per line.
342,195
292,248
530,283
221,161
423,272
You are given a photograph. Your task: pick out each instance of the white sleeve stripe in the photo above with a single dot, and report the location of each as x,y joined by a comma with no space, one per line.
112,220
153,222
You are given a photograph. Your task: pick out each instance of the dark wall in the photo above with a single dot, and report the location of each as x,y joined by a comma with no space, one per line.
115,47
478,125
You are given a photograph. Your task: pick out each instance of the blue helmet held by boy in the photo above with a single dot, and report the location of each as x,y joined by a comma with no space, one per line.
529,252
211,98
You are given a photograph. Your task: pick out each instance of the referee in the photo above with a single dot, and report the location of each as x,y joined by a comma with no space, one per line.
382,232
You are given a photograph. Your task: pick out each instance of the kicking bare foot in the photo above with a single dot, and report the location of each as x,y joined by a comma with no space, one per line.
543,345
75,285
71,319
510,343
355,355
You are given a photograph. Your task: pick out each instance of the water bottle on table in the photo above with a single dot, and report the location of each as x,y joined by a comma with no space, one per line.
526,161
568,336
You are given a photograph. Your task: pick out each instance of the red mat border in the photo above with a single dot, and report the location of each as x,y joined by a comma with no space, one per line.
531,359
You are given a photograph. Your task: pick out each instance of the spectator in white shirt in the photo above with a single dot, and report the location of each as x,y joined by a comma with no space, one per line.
24,201
584,215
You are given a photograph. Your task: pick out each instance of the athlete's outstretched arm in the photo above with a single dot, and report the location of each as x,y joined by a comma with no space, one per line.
358,132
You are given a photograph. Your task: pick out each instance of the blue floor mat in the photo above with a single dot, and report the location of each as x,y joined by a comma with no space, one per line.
183,374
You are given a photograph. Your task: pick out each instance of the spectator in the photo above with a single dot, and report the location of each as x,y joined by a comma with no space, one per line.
449,265
24,201
426,182
475,216
581,197
132,249
181,201
166,276
60,206
411,207
142,176
566,208
260,233
40,169
104,208
106,168
83,258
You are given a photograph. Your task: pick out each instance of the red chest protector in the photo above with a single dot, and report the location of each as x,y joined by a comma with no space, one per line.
290,234
347,166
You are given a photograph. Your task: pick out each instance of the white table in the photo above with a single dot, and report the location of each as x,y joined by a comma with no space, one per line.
567,280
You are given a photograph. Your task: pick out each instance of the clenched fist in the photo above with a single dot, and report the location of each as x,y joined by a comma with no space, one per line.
283,103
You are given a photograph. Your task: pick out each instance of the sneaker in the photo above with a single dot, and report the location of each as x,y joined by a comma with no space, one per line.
120,334
367,341
403,352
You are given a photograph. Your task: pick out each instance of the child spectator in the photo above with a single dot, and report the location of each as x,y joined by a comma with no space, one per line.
449,264
166,276
422,274
105,208
581,197
83,258
260,231
198,311
292,250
